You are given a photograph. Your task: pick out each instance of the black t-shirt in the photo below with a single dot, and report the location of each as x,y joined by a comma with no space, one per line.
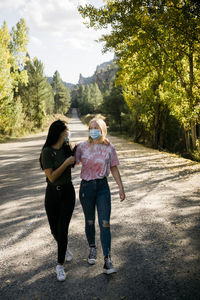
52,158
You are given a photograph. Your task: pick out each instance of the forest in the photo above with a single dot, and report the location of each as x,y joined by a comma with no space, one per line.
153,96
157,48
26,96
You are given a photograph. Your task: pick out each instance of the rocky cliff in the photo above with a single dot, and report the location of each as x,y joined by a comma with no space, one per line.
103,76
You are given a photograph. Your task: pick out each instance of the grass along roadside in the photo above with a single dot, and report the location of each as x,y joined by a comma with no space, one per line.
30,130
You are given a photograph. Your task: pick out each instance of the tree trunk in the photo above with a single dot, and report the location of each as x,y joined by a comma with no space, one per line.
155,132
198,136
187,140
163,126
194,134
120,123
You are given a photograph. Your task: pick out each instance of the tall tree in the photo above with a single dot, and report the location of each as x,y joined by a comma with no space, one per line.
18,49
36,94
96,98
6,86
62,96
49,100
89,98
13,53
115,106
167,35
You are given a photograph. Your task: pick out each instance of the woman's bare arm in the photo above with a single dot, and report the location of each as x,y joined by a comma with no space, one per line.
116,175
53,175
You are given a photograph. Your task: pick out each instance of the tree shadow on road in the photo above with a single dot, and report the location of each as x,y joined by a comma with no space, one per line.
155,233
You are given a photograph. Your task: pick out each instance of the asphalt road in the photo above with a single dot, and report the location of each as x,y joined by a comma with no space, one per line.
155,231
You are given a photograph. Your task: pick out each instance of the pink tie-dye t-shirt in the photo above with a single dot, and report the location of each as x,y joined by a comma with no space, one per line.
96,159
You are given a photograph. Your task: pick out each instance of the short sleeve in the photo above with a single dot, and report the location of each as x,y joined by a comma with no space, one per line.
78,153
113,157
47,159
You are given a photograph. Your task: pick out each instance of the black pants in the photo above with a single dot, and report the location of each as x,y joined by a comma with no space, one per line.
59,205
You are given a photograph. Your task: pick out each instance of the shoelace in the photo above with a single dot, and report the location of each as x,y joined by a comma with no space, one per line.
68,252
108,263
61,272
92,253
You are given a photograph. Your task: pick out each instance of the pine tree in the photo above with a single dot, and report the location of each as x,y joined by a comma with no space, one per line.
36,94
96,97
62,96
12,73
115,106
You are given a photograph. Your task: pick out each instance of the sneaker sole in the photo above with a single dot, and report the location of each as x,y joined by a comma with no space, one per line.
61,279
91,261
105,271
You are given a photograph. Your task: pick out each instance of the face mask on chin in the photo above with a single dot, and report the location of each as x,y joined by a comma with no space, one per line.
95,134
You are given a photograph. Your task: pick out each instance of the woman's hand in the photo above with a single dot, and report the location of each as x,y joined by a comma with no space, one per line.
122,195
54,174
106,141
116,175
70,160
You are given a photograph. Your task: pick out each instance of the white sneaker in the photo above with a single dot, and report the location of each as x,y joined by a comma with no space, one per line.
108,267
92,255
61,276
68,255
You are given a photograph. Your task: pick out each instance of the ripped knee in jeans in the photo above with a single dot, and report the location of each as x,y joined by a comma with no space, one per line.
106,223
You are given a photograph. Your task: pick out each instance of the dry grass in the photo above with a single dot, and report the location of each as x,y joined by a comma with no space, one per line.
29,129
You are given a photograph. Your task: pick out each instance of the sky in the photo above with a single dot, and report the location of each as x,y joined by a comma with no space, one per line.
57,35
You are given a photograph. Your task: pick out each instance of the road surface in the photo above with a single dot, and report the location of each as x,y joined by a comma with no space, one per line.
155,231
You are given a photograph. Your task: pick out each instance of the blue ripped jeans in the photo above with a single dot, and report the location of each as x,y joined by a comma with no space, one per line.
92,194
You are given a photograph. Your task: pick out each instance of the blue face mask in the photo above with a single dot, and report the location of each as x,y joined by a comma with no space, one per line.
95,134
68,136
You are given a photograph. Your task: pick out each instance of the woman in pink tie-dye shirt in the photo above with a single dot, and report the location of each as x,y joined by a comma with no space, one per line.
98,159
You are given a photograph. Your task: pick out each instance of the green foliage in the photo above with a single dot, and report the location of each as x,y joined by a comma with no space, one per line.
89,98
36,97
157,48
83,98
26,96
6,93
12,51
18,43
116,108
62,97
96,98
49,99
17,47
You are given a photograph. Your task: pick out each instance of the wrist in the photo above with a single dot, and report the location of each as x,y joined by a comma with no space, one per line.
66,162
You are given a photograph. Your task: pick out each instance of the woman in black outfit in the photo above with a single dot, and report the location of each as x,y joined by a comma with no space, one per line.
56,159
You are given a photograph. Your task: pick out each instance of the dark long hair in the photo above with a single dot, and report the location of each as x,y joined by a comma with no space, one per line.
56,128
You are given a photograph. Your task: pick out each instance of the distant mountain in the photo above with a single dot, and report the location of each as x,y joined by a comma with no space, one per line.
67,84
104,66
103,76
85,80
